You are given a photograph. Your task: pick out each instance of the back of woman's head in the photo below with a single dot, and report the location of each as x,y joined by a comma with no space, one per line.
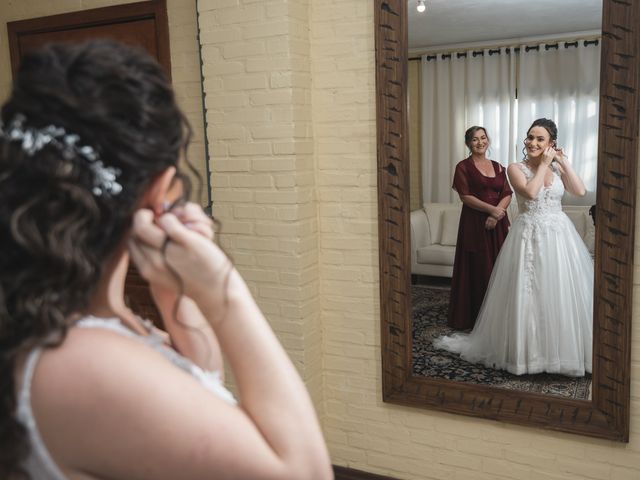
84,131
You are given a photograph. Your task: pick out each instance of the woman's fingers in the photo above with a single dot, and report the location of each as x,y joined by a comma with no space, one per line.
174,228
145,230
151,264
194,218
177,256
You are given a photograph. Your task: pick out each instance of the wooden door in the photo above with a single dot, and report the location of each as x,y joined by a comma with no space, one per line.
142,24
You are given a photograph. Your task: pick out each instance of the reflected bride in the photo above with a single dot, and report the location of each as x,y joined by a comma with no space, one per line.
537,314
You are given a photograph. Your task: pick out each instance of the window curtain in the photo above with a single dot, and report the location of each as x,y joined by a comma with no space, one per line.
458,91
562,84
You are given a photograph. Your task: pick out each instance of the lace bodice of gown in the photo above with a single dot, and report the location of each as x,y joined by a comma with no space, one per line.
548,200
538,217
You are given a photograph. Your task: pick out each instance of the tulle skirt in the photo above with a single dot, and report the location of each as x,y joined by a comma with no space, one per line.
537,314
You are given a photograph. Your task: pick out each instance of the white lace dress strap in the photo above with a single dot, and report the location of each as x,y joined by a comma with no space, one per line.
39,463
525,169
211,380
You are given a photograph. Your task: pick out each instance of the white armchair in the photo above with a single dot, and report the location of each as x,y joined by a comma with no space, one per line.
434,231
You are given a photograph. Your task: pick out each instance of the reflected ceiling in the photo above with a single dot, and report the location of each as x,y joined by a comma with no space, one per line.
470,21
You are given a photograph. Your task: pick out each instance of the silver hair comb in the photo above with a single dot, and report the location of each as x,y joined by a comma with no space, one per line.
35,139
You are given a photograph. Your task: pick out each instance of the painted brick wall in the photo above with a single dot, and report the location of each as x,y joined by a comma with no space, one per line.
185,63
256,57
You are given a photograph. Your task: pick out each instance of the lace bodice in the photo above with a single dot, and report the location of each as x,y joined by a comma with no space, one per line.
538,216
548,199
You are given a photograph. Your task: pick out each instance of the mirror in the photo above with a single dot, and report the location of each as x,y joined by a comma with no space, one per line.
606,414
488,64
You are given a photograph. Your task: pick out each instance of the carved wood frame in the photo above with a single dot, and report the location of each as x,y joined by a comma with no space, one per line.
607,415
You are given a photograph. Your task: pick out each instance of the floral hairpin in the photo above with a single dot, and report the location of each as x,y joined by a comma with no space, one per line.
35,139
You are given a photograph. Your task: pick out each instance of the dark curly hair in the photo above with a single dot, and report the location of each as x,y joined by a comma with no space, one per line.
56,235
549,125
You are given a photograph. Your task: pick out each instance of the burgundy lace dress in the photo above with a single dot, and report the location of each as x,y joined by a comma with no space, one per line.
477,248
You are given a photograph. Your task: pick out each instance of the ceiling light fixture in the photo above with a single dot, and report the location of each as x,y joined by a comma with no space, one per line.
421,6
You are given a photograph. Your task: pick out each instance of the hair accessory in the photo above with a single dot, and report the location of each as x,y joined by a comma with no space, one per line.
35,139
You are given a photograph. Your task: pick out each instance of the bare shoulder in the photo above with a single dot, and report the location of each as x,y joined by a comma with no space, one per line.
111,407
514,170
514,167
94,374
89,354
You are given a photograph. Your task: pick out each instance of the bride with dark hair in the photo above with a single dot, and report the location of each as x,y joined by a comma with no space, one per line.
537,314
90,142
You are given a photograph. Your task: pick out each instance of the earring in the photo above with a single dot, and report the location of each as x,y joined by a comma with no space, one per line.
162,208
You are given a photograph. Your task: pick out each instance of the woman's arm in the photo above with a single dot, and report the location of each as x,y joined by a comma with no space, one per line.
474,202
271,393
504,203
188,329
108,406
149,419
572,182
530,189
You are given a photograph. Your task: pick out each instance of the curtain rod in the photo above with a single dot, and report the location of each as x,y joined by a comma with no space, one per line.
527,48
506,42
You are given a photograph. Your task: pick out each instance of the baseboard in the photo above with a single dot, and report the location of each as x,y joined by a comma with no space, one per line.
344,473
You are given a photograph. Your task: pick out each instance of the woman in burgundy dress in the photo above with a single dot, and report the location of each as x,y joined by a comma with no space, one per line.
485,193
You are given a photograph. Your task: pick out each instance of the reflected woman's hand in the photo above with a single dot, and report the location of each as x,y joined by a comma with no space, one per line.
560,156
561,160
548,156
498,213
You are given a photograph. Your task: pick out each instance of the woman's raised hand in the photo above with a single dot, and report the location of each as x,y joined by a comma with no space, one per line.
175,251
560,157
193,217
548,156
561,160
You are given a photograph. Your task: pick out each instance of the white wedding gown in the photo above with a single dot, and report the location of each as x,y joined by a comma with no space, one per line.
537,314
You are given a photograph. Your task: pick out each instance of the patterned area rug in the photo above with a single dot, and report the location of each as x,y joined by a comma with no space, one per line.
430,305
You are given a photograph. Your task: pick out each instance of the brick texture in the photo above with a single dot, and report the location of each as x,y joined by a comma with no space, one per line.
256,59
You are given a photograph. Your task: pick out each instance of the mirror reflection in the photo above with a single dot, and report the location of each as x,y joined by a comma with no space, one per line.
503,150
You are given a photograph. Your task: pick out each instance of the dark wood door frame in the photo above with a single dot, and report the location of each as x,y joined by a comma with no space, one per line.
155,10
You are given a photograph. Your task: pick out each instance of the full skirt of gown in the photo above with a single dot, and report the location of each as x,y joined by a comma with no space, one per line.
537,315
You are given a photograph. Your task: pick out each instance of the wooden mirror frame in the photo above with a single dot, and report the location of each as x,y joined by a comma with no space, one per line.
607,414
